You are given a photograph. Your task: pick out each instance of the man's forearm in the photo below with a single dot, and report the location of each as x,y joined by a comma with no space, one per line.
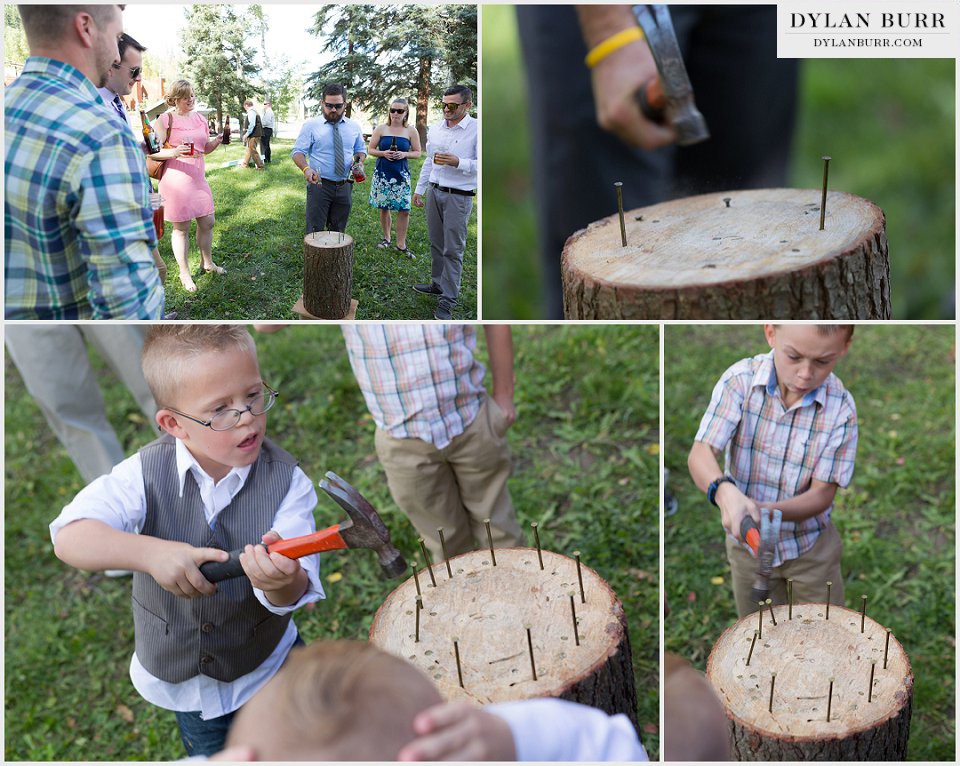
600,22
500,350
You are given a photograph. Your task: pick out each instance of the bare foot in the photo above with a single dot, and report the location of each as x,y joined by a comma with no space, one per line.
214,268
187,281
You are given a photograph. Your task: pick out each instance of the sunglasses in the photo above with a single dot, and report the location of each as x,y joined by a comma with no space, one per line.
333,107
397,111
452,106
134,71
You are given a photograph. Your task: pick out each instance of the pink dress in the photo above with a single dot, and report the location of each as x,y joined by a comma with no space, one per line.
185,191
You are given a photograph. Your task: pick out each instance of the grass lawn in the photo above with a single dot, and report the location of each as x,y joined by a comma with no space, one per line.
889,125
896,518
258,238
585,449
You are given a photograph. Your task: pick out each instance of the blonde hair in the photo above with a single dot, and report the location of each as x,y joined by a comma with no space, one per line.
335,700
834,329
406,114
179,89
170,350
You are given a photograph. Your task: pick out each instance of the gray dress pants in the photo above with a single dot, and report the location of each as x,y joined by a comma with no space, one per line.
447,218
746,94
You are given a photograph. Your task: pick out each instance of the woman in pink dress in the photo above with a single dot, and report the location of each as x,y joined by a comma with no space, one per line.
184,188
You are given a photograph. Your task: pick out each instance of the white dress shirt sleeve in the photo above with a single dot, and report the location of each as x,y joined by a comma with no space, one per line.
295,518
117,499
426,169
557,730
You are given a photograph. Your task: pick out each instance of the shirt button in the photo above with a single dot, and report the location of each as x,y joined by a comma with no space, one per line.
207,627
206,659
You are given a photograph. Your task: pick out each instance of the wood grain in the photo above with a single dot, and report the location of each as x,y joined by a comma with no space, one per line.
327,274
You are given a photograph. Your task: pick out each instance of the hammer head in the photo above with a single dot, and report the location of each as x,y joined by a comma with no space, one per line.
681,111
364,528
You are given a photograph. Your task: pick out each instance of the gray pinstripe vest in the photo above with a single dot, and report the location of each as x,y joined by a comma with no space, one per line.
229,634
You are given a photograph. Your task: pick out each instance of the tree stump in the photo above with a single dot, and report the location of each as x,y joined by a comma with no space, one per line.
327,274
487,609
763,257
806,652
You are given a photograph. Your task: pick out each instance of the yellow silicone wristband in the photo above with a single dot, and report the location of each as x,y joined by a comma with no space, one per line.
611,44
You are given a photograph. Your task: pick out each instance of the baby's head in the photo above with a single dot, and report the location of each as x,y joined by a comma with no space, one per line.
334,701
202,376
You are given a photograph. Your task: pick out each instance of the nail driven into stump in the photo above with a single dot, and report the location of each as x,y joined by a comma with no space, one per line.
829,700
573,611
886,649
726,201
416,579
863,611
536,536
773,680
533,665
416,635
873,668
493,556
760,615
752,644
829,585
446,558
823,197
790,598
426,560
773,617
456,653
583,598
623,226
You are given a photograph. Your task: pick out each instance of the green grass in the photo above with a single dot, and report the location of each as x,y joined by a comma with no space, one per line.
889,125
258,238
585,468
896,518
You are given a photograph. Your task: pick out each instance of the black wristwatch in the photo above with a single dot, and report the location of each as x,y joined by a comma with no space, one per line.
714,485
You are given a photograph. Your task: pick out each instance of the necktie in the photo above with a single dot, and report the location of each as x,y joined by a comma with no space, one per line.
118,105
338,167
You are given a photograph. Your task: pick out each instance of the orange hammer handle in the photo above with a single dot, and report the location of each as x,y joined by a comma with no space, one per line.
750,534
328,539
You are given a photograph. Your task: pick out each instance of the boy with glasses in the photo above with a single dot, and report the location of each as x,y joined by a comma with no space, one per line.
324,152
212,483
450,170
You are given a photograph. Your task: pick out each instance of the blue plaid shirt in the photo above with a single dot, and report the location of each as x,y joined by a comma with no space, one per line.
773,452
78,228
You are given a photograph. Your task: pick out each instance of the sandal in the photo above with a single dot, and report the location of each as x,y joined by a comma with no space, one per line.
383,243
405,251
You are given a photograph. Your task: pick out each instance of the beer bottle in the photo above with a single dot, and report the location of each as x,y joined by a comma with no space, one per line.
393,144
149,135
226,129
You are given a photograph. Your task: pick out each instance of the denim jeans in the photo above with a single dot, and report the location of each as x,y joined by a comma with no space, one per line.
201,737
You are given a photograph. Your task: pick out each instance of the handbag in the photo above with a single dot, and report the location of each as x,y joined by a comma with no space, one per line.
155,168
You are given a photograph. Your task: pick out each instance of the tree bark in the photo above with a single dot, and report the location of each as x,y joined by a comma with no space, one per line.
487,609
866,722
423,99
761,257
327,274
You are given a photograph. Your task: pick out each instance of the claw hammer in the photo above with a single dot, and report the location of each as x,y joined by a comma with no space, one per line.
763,543
363,529
669,98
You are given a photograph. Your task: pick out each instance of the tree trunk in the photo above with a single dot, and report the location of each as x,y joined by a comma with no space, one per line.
806,653
763,257
327,274
423,100
487,609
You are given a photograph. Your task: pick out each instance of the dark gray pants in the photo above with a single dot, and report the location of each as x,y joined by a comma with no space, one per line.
265,143
746,94
328,207
447,218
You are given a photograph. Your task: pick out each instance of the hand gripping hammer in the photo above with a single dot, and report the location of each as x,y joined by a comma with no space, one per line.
363,529
763,545
670,98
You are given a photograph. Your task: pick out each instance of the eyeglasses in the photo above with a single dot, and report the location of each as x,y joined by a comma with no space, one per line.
397,111
134,70
333,106
451,105
224,420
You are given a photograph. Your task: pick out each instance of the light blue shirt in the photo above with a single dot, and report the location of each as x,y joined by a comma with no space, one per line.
315,142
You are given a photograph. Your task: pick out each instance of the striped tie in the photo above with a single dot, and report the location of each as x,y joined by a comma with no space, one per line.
339,170
118,105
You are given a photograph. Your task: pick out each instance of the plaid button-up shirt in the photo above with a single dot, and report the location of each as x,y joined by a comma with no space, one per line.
78,228
773,453
420,381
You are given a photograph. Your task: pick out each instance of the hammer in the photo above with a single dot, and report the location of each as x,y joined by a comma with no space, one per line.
363,529
763,545
668,99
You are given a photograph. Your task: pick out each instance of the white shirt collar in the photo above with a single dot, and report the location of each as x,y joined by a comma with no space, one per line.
186,461
462,125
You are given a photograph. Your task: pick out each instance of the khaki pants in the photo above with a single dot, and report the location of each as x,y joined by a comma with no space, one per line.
809,573
251,151
456,487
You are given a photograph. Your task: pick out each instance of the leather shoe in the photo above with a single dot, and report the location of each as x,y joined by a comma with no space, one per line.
443,312
431,289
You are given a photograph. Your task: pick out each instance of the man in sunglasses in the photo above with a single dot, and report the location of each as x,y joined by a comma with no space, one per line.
324,152
122,76
450,170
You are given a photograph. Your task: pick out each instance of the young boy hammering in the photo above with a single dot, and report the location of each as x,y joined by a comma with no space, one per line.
210,484
788,430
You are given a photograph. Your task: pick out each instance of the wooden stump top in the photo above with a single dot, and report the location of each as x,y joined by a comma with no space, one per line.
806,652
699,241
327,239
487,609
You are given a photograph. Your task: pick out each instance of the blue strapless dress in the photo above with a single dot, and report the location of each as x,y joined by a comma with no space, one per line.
390,188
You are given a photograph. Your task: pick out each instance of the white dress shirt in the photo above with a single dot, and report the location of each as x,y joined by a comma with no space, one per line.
266,120
460,140
118,500
557,730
